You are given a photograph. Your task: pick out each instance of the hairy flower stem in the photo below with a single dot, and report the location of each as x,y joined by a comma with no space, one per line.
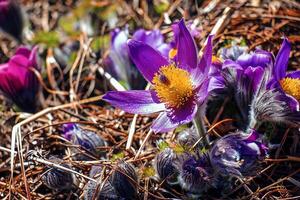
200,128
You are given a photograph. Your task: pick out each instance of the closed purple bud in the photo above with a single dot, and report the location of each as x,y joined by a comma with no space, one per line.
196,174
237,154
87,140
125,180
18,82
188,138
99,190
58,179
11,18
164,165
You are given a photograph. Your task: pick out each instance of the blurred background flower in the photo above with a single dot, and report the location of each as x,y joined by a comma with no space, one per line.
119,64
18,81
11,18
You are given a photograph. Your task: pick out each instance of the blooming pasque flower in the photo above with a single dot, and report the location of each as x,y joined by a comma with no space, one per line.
118,62
289,83
87,140
18,81
237,154
278,96
179,86
11,18
241,78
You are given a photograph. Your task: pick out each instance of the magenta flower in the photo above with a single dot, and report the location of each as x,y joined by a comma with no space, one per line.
11,18
18,81
179,86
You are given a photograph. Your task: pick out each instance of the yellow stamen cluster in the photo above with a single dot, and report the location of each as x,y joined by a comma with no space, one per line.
291,86
173,86
216,59
172,53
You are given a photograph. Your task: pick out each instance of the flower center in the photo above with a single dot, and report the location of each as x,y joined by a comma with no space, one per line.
173,85
291,86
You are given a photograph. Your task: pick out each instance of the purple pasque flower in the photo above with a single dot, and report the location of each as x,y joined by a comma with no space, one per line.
196,175
179,86
277,98
237,154
11,18
118,62
18,81
241,79
289,83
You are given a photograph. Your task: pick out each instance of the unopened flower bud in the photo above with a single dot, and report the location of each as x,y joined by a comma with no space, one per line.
196,174
187,138
237,154
164,165
58,179
87,140
125,180
100,190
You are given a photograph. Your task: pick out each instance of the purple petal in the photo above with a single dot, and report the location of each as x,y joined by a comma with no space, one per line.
255,75
200,73
186,47
184,114
164,49
147,60
282,60
231,64
253,135
216,82
114,33
206,59
153,38
154,96
33,58
134,101
258,58
119,43
202,91
295,74
24,51
163,123
292,102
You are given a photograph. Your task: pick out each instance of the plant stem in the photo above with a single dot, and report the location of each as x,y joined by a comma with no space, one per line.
200,128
